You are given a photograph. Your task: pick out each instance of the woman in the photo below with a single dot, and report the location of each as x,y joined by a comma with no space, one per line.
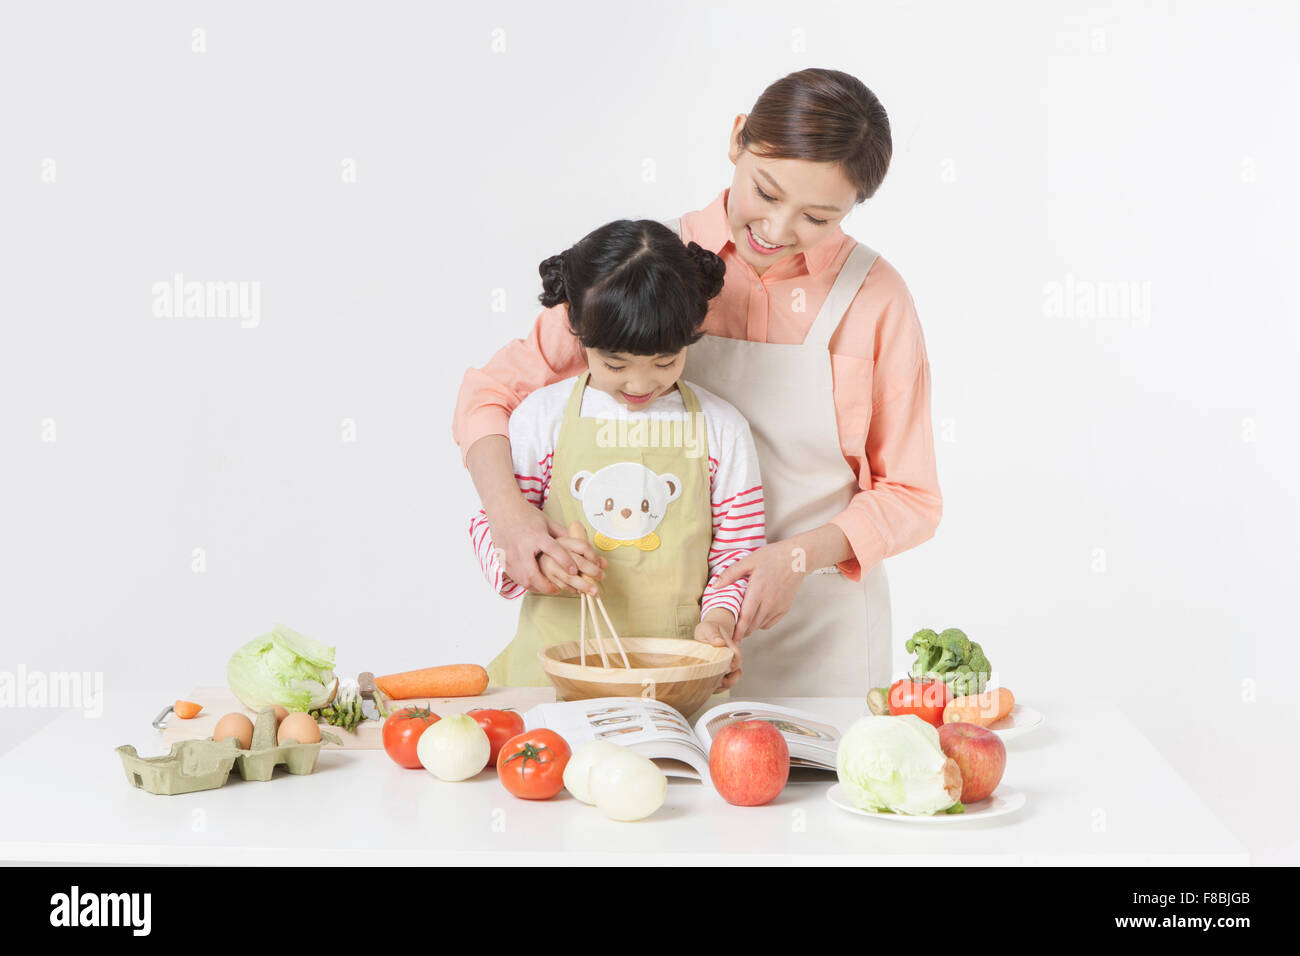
846,450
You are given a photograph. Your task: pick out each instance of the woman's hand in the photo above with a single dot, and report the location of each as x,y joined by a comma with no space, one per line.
773,584
591,565
521,532
716,628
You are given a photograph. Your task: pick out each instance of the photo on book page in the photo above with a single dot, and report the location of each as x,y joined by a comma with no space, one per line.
812,740
812,730
661,733
642,724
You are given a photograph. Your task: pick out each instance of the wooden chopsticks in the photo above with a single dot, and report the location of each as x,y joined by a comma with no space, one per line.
589,605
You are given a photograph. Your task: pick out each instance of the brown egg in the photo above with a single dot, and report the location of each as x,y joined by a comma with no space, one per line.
237,726
280,713
300,727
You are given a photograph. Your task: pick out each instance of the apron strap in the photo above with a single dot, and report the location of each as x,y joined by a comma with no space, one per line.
689,399
847,283
573,408
695,417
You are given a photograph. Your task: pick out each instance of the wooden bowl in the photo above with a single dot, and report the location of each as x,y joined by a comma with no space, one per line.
679,672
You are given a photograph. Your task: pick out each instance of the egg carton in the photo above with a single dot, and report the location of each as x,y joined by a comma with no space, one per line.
194,765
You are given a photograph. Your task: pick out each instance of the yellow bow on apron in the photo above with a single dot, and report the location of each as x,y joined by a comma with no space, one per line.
640,486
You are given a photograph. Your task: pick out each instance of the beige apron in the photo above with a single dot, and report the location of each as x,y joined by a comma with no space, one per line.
835,639
642,494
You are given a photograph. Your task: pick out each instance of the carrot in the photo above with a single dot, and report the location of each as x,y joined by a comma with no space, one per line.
1006,702
450,680
185,709
980,709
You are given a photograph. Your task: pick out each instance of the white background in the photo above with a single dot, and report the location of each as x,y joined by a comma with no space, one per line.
1119,505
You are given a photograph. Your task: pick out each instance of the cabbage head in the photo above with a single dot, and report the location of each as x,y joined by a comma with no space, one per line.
895,764
285,668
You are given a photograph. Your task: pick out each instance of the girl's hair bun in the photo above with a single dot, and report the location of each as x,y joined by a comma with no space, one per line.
712,270
632,286
552,272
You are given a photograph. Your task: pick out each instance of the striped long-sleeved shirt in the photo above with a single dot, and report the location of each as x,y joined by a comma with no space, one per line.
735,488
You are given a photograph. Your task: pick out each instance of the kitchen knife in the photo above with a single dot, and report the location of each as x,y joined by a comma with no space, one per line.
373,702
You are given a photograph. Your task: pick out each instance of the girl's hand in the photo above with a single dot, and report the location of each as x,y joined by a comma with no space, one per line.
773,584
590,564
716,628
523,532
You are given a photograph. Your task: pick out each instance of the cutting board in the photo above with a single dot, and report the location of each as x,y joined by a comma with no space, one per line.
219,701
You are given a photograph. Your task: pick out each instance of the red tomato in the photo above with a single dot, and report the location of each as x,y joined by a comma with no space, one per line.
500,726
531,765
924,698
402,731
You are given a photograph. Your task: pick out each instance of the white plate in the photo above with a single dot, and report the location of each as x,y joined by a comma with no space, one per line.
1021,720
1004,800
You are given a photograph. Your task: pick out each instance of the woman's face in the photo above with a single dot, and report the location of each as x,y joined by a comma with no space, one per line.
635,380
792,204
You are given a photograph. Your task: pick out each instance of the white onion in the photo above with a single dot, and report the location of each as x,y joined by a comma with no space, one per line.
628,786
454,748
577,772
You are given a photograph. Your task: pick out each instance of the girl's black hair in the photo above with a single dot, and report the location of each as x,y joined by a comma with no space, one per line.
633,287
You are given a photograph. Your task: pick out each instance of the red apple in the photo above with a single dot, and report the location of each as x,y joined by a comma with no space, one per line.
980,755
749,763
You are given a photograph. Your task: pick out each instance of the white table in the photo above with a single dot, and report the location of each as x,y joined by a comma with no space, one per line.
1098,793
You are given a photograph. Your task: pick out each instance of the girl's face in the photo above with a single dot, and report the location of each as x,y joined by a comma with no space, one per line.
789,204
635,380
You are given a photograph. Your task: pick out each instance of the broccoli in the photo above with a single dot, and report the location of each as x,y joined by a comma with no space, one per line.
925,645
951,657
956,649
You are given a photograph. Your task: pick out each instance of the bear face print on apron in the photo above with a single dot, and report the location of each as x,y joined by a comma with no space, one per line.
639,485
835,641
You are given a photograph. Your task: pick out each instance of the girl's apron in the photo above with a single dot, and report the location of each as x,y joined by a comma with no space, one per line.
642,494
835,639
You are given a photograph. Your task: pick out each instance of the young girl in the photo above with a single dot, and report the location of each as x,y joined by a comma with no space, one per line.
654,480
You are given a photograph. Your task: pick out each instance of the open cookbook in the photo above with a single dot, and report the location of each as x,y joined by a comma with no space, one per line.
661,733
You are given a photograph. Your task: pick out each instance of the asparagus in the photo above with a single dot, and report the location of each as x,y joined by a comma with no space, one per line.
345,712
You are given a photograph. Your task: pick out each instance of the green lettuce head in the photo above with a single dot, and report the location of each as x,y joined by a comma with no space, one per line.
285,668
896,764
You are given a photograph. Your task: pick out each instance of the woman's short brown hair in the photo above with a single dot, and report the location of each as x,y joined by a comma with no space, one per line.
824,116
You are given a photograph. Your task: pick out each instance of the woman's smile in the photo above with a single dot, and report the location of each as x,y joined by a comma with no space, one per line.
761,246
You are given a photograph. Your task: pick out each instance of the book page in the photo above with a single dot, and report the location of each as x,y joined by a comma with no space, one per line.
812,740
647,726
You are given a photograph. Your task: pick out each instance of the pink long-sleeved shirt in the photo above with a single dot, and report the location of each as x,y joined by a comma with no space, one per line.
879,368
